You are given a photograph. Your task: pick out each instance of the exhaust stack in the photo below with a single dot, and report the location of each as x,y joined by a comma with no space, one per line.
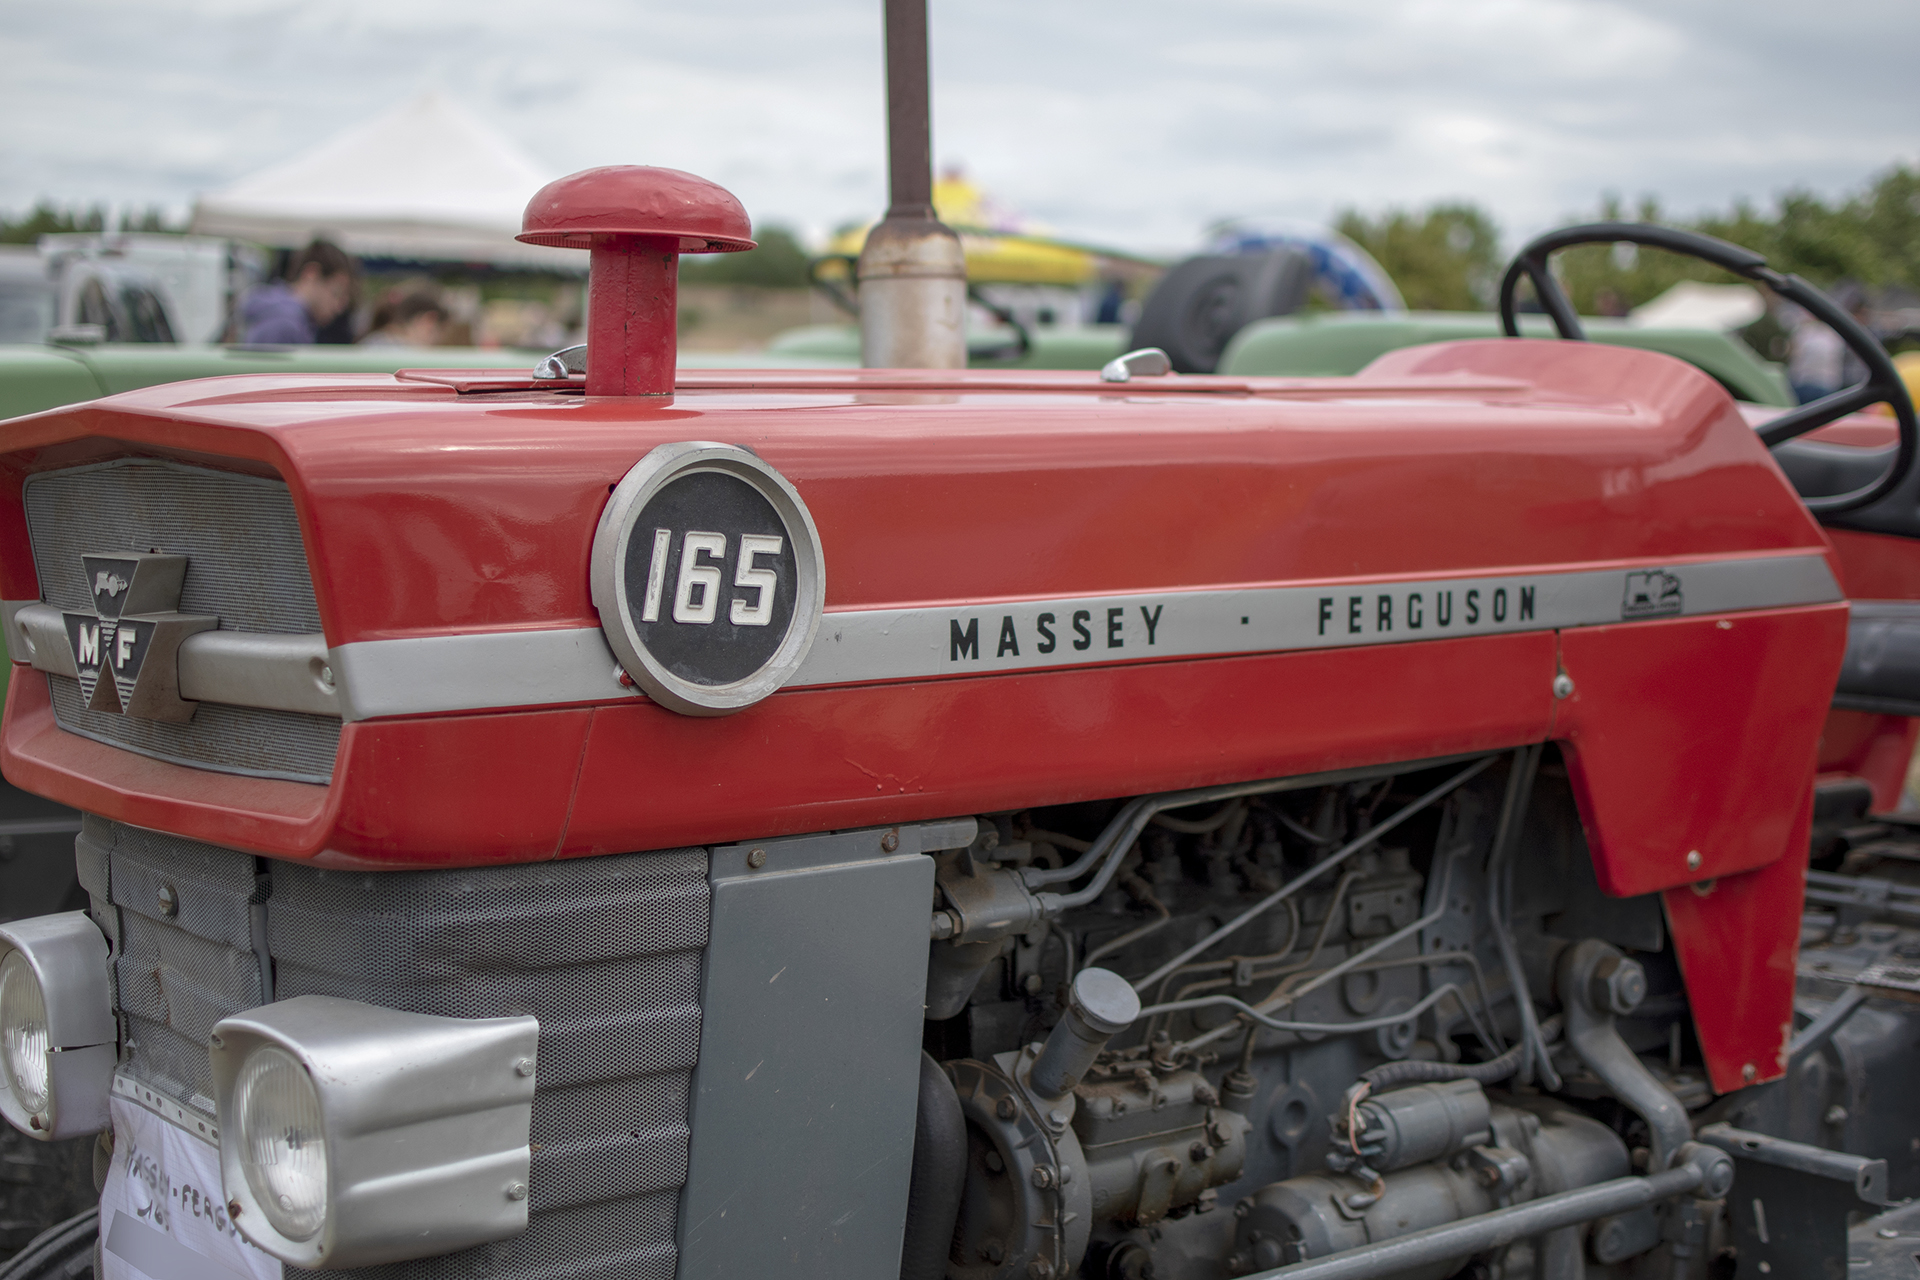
913,275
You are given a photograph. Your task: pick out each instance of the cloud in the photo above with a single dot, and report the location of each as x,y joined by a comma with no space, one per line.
1128,121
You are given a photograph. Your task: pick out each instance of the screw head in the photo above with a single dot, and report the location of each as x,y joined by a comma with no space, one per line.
757,859
1006,1109
1694,860
216,1042
524,1067
233,1208
1563,685
169,901
1749,1072
890,841
326,674
516,1191
1043,1176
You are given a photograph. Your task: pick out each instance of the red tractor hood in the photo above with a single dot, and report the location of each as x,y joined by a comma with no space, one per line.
1039,588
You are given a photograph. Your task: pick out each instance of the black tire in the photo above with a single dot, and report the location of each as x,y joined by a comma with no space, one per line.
61,1252
1200,304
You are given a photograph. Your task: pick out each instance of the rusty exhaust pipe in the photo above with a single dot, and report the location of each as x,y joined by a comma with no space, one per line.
913,275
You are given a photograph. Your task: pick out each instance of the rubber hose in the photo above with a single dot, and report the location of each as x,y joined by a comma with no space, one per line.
1392,1075
939,1176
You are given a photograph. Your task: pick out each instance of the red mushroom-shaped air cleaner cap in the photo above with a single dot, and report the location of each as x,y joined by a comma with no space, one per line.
637,200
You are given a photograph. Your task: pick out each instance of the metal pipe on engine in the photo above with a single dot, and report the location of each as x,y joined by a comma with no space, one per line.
1698,1172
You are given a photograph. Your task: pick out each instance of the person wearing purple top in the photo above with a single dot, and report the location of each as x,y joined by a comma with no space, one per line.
318,288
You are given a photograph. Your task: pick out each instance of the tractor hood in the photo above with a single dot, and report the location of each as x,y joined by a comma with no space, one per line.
1019,579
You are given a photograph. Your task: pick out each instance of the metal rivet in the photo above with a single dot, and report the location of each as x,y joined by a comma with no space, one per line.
889,842
524,1067
1563,685
169,900
516,1191
1693,860
758,858
1748,1072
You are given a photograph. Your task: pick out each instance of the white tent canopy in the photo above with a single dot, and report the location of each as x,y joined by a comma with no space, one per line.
425,181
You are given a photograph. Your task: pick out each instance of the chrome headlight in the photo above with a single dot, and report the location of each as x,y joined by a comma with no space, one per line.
352,1135
283,1145
56,1026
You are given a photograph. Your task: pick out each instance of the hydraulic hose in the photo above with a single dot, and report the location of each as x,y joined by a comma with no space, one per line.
939,1176
1392,1075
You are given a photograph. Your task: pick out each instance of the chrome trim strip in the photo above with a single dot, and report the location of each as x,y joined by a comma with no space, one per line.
505,670
238,668
476,672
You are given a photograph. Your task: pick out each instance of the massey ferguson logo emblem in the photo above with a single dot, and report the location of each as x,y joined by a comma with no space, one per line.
126,651
1652,594
707,575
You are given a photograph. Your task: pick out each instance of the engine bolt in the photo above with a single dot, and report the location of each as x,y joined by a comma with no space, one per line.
757,859
1043,1176
1006,1109
1039,1269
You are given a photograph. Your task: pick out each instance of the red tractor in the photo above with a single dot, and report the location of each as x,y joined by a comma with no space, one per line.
1001,826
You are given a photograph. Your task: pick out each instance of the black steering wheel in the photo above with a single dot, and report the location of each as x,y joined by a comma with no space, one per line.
1883,384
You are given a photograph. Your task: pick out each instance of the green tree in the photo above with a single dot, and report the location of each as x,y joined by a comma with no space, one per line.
777,262
1445,258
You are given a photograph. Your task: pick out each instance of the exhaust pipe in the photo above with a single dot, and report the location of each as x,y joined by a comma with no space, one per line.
913,275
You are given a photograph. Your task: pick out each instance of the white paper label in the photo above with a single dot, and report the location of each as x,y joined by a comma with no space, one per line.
162,1213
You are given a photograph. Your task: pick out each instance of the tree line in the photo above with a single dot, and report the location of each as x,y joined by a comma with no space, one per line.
1450,256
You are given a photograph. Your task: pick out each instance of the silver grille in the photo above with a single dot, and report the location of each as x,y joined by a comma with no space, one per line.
246,564
606,952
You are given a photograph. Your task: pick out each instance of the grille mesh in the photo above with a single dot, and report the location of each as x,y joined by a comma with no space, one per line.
246,565
606,952
248,740
245,561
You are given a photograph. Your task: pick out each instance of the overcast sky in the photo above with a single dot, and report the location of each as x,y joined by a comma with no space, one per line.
1124,121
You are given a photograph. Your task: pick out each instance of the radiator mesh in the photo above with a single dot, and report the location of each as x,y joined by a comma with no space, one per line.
606,952
246,565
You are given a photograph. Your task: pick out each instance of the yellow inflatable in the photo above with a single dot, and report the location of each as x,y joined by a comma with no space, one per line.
998,250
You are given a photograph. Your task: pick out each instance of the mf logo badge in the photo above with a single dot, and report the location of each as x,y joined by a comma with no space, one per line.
127,650
707,575
1653,594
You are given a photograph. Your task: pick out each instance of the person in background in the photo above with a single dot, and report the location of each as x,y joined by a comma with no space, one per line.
318,289
1814,357
413,320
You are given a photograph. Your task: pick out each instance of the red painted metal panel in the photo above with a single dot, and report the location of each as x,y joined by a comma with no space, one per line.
1876,749
1877,566
1696,735
456,790
813,759
1737,939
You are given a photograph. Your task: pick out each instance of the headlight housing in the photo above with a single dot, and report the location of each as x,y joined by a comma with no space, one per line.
57,1045
352,1135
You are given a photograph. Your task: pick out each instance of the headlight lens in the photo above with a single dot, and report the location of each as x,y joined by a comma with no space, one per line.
282,1145
23,1035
